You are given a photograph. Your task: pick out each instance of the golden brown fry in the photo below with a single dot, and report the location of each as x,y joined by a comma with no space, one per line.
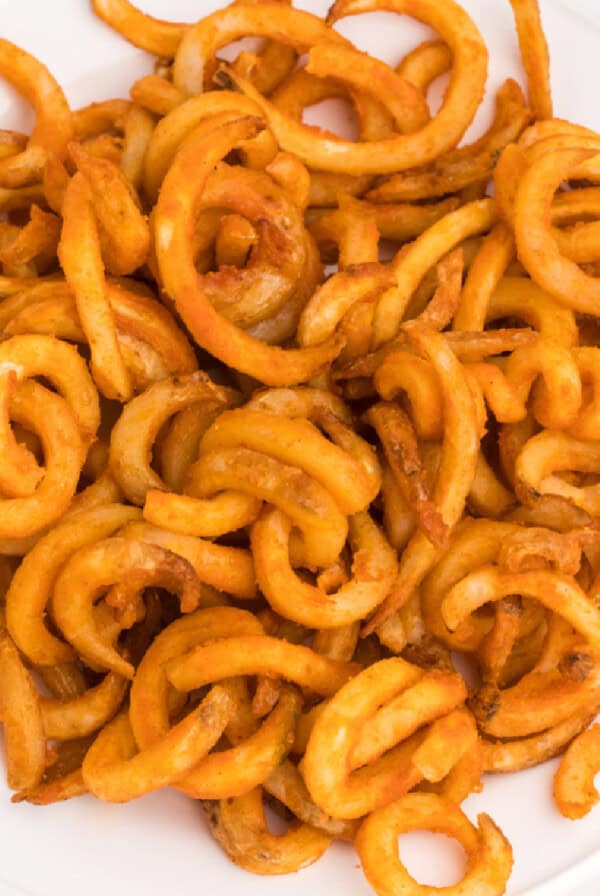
138,130
425,63
536,246
112,769
373,569
255,655
357,771
194,60
21,717
36,241
405,102
410,267
455,474
207,110
174,214
549,453
86,713
311,506
490,854
134,434
460,168
514,755
80,255
51,418
63,779
53,128
352,228
399,443
154,35
156,94
229,569
397,152
486,272
574,790
130,566
338,465
122,229
489,584
534,52
240,827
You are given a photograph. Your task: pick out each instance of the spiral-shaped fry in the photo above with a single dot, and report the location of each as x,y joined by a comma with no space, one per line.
379,746
490,854
95,568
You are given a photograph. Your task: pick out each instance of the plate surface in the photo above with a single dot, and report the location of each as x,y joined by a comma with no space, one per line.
159,844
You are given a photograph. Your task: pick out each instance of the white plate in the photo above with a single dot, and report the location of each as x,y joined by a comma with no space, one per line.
159,844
